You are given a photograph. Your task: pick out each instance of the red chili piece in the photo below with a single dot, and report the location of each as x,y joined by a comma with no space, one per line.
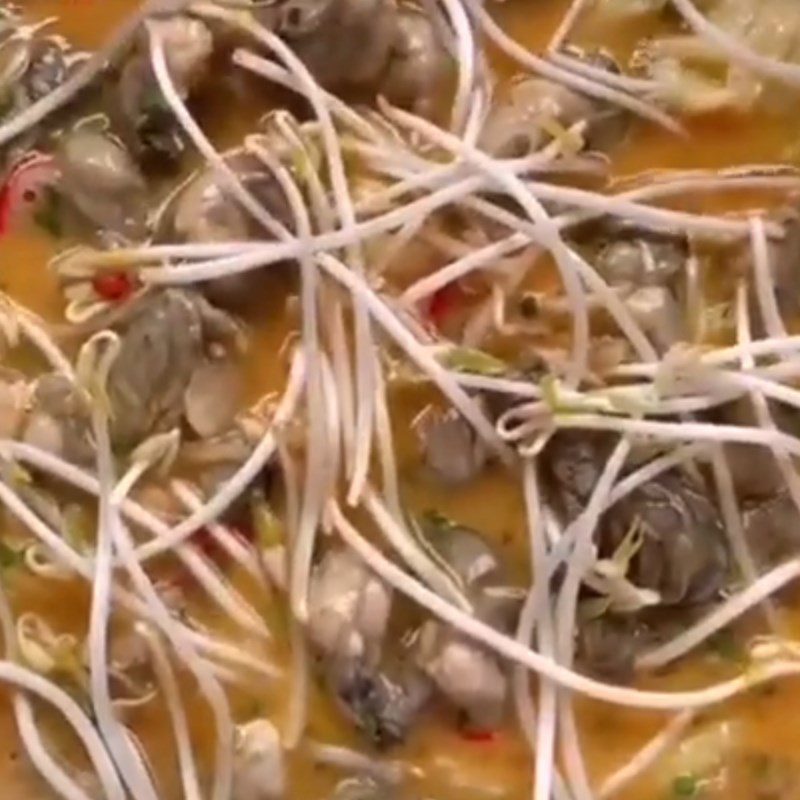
479,735
112,286
26,178
444,302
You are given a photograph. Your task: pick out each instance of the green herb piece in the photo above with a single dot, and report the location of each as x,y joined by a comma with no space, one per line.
267,527
78,528
10,559
468,359
48,214
727,648
436,520
152,101
685,786
18,475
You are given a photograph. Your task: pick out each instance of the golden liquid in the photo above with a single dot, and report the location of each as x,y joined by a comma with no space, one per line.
447,766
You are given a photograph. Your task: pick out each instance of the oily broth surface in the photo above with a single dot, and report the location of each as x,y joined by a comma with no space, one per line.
447,766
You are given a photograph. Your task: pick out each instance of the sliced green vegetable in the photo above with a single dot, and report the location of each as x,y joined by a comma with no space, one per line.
78,528
727,648
10,558
470,360
48,215
436,520
685,786
267,527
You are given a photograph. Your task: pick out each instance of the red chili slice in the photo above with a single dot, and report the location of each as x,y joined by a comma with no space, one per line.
26,178
479,735
444,302
112,286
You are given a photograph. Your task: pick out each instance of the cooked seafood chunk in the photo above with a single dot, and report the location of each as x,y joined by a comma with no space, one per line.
167,351
59,420
536,109
99,177
399,55
464,672
204,211
682,554
772,528
259,771
450,446
147,121
348,617
348,606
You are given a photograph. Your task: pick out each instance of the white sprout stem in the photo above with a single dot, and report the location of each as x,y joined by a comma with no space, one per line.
342,371
581,532
568,22
625,83
334,427
465,61
297,709
236,549
734,49
302,551
649,755
386,453
757,398
653,469
508,648
351,761
383,315
220,650
171,692
226,596
301,686
38,336
345,113
566,606
764,282
404,544
45,764
539,729
734,528
702,431
765,586
574,764
523,56
127,758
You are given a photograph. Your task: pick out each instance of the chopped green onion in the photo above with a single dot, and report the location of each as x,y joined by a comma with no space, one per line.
78,528
476,362
727,648
48,215
434,519
267,527
685,786
10,558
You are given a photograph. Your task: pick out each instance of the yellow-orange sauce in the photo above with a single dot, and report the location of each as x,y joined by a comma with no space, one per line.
445,765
